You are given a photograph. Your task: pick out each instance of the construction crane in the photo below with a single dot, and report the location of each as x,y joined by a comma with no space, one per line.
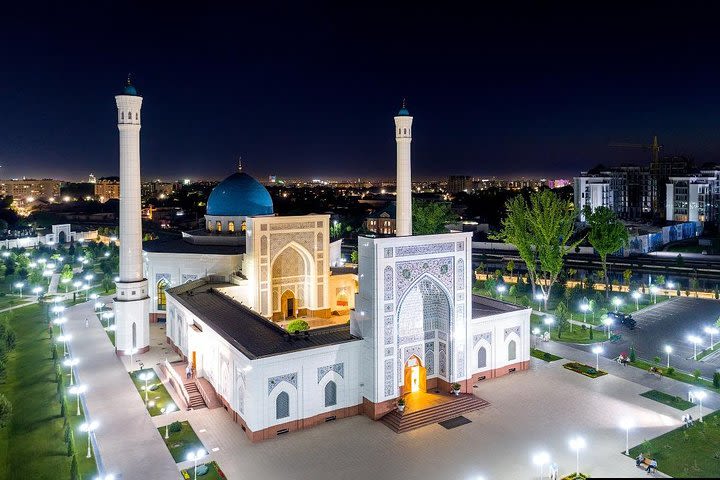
654,147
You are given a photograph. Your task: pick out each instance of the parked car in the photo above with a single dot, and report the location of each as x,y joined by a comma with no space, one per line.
623,319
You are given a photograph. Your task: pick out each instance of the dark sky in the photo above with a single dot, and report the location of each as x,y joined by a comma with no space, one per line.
508,91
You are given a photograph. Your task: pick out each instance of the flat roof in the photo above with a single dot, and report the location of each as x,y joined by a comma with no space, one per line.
252,334
179,245
486,306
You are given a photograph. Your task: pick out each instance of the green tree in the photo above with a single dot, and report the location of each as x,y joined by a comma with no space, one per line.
510,267
67,272
540,229
298,326
5,411
627,275
561,313
430,217
354,256
660,279
607,235
632,354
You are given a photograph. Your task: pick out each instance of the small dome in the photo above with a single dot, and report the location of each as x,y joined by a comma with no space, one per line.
403,112
130,90
239,195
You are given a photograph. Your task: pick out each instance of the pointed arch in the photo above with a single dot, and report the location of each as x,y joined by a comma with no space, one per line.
282,406
330,394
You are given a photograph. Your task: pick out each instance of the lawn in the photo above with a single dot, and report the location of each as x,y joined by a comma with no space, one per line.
676,374
583,369
577,335
158,398
32,446
181,443
670,400
214,472
686,452
548,357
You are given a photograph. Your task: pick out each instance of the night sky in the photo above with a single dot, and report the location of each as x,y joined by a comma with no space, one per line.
537,91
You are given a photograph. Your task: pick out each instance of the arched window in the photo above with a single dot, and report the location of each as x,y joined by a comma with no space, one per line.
129,115
512,350
162,284
244,226
482,357
218,226
330,394
231,227
209,225
137,116
122,115
404,131
282,406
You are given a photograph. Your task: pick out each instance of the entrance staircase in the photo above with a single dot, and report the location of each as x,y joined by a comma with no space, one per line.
437,411
196,399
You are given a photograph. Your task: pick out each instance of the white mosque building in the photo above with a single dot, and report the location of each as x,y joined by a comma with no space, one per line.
405,324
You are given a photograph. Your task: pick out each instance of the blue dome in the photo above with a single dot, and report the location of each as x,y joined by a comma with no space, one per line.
239,195
403,112
129,90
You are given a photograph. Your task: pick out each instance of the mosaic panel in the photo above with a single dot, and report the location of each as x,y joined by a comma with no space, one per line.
389,384
162,276
404,340
187,277
319,242
388,328
409,250
406,273
460,296
430,358
263,244
460,276
388,308
338,368
459,313
461,363
279,240
319,224
293,225
487,336
388,252
263,227
273,382
388,281
416,350
241,391
430,335
508,331
442,358
442,335
389,351
460,246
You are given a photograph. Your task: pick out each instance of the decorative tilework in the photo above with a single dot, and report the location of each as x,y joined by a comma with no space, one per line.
273,382
293,225
388,328
442,354
319,224
388,281
460,246
508,331
460,364
388,308
404,340
188,277
263,227
430,249
430,358
162,276
241,390
389,351
487,336
338,368
416,350
430,335
459,313
389,252
389,384
460,296
406,273
442,335
460,276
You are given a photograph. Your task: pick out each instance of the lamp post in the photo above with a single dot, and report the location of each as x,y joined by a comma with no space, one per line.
89,277
65,282
584,307
712,331
653,292
19,286
501,289
70,363
77,390
700,395
539,297
540,459
616,303
548,321
695,340
636,296
627,424
670,286
194,457
146,376
535,332
77,284
607,321
164,410
576,444
668,350
597,350
64,339
89,428
37,291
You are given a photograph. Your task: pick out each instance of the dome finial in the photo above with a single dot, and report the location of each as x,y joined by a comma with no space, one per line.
130,83
403,110
239,164
403,101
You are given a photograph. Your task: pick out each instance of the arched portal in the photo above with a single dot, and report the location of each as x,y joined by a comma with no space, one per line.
287,304
62,237
415,376
291,277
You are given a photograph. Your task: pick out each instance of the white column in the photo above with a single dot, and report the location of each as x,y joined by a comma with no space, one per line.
403,138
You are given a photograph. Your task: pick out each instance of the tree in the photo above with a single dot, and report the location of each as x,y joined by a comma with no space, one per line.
510,267
67,272
354,256
540,229
660,279
607,235
561,312
5,411
627,275
298,326
430,217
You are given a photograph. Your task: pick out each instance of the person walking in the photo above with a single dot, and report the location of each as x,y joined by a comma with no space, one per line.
87,322
188,371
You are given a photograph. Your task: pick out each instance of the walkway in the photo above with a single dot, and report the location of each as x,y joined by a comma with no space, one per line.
127,440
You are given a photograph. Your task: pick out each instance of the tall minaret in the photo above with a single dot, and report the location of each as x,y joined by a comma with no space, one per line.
131,298
403,138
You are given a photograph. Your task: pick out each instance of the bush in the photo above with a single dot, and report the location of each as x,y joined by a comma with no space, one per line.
175,427
670,371
696,373
71,446
297,326
5,411
656,360
67,434
632,354
74,470
716,379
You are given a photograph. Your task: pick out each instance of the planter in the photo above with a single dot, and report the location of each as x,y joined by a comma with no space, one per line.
401,408
456,392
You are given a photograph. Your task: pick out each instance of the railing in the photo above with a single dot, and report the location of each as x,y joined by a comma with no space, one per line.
177,382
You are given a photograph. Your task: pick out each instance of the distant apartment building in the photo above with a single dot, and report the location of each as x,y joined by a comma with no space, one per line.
693,198
382,222
107,188
626,190
459,183
157,189
28,190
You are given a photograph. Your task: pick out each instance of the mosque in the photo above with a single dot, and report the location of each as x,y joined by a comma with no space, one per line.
403,325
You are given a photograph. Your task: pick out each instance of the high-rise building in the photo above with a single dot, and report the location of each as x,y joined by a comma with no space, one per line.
107,188
459,183
28,190
693,198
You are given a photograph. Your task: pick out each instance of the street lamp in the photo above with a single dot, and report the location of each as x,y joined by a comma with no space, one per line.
77,390
539,297
37,291
164,410
597,350
501,289
653,292
584,307
77,284
712,331
577,443
616,302
194,457
70,363
540,459
695,340
627,424
146,376
19,286
535,332
636,296
670,285
548,321
89,277
700,395
668,350
65,282
64,339
607,321
89,428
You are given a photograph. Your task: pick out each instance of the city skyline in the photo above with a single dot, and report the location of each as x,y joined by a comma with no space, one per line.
310,94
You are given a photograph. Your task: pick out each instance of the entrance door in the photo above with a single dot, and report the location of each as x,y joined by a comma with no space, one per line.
415,380
194,361
290,307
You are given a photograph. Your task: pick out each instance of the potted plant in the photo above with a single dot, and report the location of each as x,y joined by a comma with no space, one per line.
456,388
401,405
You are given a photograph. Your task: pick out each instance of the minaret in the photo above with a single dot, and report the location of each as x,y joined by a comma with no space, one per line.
131,299
403,138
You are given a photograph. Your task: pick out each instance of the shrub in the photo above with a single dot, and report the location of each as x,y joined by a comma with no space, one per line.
716,379
175,427
71,446
632,354
670,371
5,411
456,386
696,373
67,433
656,360
63,408
297,326
74,470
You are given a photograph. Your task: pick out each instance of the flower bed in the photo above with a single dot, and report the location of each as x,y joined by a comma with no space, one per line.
548,357
213,472
574,476
583,369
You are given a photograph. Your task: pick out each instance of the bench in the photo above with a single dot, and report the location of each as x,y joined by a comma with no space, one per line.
655,371
645,463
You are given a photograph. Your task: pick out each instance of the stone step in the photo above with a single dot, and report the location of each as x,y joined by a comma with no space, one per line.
400,423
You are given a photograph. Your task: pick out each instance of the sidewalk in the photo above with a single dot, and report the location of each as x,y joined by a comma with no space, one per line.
129,444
